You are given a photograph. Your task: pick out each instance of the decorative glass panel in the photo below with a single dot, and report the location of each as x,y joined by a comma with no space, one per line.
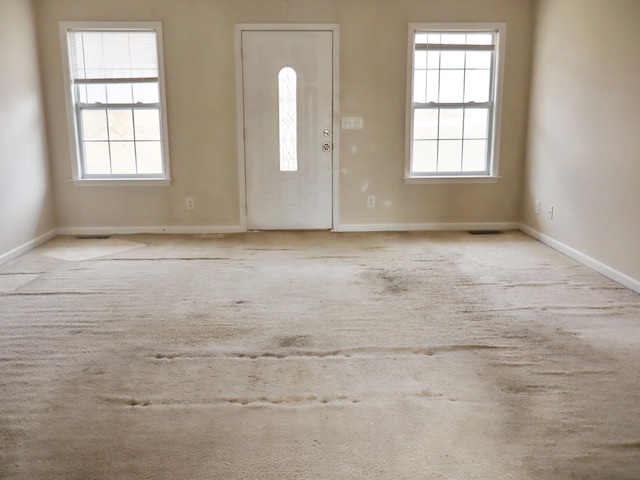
288,108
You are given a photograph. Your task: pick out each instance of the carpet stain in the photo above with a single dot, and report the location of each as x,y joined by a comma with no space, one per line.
410,356
294,341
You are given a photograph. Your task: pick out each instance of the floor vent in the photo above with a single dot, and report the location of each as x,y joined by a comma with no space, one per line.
485,232
92,237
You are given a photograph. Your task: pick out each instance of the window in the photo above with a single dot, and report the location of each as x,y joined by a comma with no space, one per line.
453,109
116,101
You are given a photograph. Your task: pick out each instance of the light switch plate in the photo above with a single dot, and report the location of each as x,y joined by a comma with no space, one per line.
352,123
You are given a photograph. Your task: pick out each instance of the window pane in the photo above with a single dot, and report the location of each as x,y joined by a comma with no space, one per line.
147,124
425,156
479,39
419,86
452,59
420,59
454,38
94,125
451,123
451,84
81,93
433,86
450,156
427,38
145,93
123,157
120,124
96,157
476,121
477,84
425,124
474,158
149,156
433,59
479,60
97,93
119,93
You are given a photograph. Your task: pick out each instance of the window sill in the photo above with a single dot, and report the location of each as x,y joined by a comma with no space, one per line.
453,179
122,182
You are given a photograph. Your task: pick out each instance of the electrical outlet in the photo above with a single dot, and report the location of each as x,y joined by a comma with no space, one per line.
537,207
189,203
550,212
352,123
371,201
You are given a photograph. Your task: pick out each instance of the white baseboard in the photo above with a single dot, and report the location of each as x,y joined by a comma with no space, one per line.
134,230
578,256
25,247
412,227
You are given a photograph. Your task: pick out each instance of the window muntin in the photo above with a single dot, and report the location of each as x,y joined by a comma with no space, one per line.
452,111
288,119
116,99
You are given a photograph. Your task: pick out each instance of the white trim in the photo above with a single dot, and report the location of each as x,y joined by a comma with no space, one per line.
26,247
242,175
149,229
459,179
121,182
498,82
412,227
336,124
334,28
584,259
72,131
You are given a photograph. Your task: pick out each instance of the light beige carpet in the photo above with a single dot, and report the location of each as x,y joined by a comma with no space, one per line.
315,356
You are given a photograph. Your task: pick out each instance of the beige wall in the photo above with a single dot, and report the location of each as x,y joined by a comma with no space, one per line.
201,101
25,203
584,134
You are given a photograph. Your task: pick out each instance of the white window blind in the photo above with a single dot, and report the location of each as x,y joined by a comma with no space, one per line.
113,55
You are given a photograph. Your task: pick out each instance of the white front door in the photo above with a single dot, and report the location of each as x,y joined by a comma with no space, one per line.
287,81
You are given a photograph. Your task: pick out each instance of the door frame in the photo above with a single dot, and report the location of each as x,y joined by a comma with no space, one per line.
277,27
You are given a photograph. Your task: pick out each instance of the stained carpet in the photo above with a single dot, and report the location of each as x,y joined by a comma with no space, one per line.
315,356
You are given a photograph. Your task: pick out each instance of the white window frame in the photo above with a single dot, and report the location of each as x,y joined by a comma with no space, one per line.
79,177
491,173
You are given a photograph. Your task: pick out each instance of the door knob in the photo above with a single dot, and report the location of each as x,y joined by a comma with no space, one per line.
326,147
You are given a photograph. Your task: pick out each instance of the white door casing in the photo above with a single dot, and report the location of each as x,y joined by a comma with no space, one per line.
302,198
